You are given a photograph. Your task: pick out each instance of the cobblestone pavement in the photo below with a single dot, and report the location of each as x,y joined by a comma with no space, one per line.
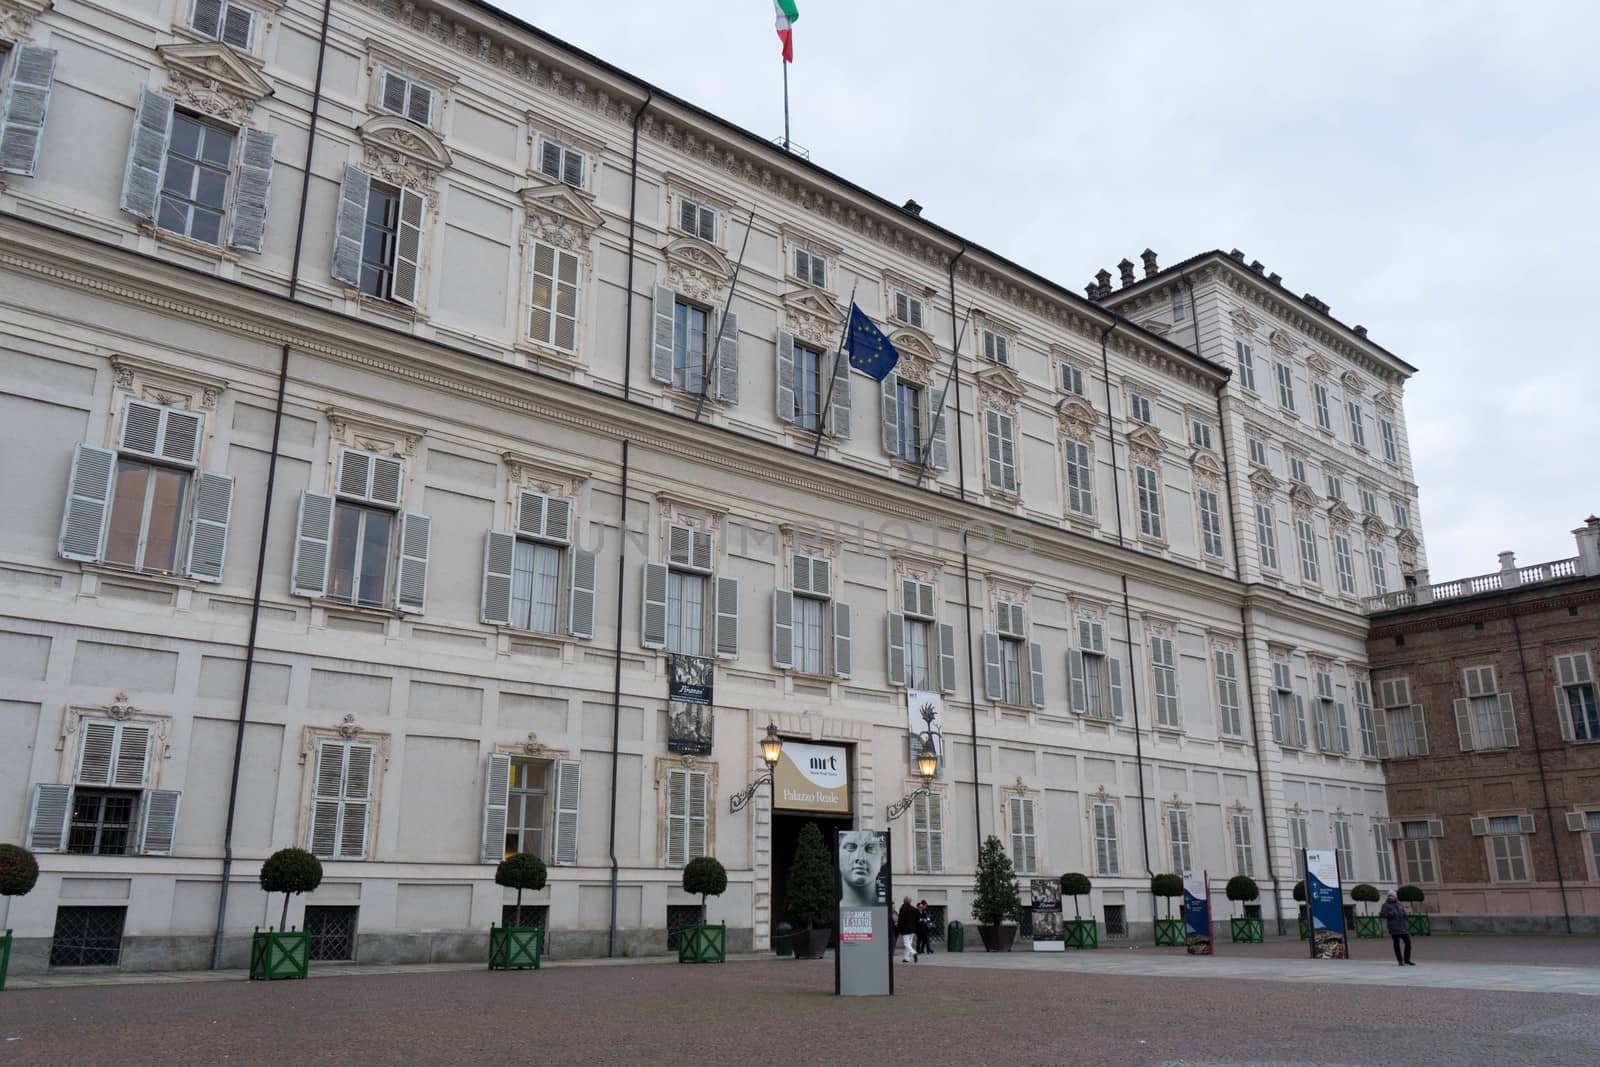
1017,1010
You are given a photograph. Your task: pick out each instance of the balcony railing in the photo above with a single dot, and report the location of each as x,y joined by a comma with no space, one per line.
1483,583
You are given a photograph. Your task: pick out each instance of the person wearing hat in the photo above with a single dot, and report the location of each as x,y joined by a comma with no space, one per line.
1394,916
924,927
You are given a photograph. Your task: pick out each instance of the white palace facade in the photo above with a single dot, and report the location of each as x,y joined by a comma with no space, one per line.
390,389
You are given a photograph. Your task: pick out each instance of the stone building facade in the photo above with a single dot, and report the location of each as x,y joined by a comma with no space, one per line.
390,400
1487,691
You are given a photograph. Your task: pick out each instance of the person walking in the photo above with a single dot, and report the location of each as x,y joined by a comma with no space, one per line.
924,928
1394,916
906,926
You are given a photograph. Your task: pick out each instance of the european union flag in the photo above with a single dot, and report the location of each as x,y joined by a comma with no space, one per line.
870,351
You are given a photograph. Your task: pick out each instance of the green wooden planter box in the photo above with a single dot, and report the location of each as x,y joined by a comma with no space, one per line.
279,954
515,948
1169,932
5,957
1247,931
1419,925
1081,933
1305,929
703,943
1369,926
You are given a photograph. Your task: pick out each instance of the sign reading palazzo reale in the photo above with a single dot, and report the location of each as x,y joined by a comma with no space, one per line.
813,778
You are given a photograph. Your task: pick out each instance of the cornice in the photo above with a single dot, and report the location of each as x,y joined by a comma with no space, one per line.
1484,607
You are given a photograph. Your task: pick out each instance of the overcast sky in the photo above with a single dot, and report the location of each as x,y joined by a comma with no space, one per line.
1431,170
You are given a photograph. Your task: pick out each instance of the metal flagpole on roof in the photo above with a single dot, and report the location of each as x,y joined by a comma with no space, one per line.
716,346
833,376
938,416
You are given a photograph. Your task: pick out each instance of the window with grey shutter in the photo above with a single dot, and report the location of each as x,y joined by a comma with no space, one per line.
160,822
1114,684
568,792
26,102
554,289
404,97
782,628
147,155
727,376
208,531
350,225
221,20
696,219
993,683
896,629
313,533
498,552
653,607
1035,674
252,190
1024,840
841,639
416,539
784,373
83,521
49,817
727,618
889,413
407,278
663,307
839,409
565,165
496,797
341,800
1078,683
113,753
580,612
927,834
938,448
688,816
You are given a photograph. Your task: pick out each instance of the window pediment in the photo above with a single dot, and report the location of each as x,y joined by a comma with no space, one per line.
1302,498
1263,481
1340,514
1205,463
1147,439
1353,383
697,269
399,151
1000,378
161,384
1243,321
1384,402
1076,418
559,214
813,316
361,431
1318,366
543,474
1375,527
1282,342
214,79
407,63
910,341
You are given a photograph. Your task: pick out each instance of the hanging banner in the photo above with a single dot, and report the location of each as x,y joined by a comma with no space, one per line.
925,716
689,678
812,778
1046,913
865,895
1197,913
689,728
1325,903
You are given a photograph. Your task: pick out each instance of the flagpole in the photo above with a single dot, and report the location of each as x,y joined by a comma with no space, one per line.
716,346
922,458
785,63
833,375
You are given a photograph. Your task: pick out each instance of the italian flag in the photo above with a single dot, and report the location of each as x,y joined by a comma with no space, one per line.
787,14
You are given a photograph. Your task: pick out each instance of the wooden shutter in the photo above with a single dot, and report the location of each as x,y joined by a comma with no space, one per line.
357,802
567,794
782,629
1075,675
97,752
1091,636
938,449
698,815
49,820
160,822
727,618
253,190
208,528
22,126
701,550
496,797
236,27
662,309
147,154
897,648
207,18
313,532
419,108
947,658
927,830
1463,709
993,681
327,799
88,506
727,380
783,373
499,553
1344,727
350,225
407,277
1419,730
653,607
1508,719
580,607
889,413
839,410
161,432
416,541
1035,674
548,518
995,469
133,754
841,639
677,844
1114,685
1380,731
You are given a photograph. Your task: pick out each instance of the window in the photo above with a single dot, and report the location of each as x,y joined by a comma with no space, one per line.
688,816
908,421
1358,432
996,347
1247,367
810,267
1417,839
378,250
364,522
1080,477
1210,523
1024,839
553,298
1178,839
927,834
808,635
1139,408
686,607
1286,387
1344,855
1344,564
1267,536
1384,850
679,609
1365,721
1008,657
915,639
1508,848
1297,470
562,163
1071,379
1324,714
1096,677
1107,863
404,97
1380,580
1386,433
1002,451
689,344
1244,855
1485,718
1575,698
221,20
1319,405
1200,433
815,620
1258,451
1282,703
102,822
147,499
340,800
1308,551
1229,723
1592,822
1335,487
527,810
907,308
1164,667
1297,836
1011,670
808,395
1177,316
1369,502
1148,481
543,524
1407,729
696,219
1402,518
194,185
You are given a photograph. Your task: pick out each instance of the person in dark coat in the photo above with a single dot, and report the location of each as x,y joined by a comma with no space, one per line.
1394,916
905,925
924,927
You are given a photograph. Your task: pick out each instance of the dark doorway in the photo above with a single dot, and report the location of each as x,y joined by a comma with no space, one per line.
785,835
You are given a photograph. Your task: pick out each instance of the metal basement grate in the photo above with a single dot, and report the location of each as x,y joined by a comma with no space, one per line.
87,937
678,917
1116,920
531,915
332,930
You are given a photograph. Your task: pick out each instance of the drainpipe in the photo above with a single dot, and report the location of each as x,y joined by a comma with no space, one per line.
266,506
966,557
1538,755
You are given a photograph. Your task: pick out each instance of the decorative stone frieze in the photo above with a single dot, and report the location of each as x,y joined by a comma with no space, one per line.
213,79
404,154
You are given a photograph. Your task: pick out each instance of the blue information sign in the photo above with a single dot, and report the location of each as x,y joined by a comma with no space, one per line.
1325,903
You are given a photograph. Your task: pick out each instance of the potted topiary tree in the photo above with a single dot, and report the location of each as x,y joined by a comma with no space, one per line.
18,873
284,953
1366,925
702,942
1242,889
1305,919
1169,931
1078,932
995,897
518,947
809,894
1417,923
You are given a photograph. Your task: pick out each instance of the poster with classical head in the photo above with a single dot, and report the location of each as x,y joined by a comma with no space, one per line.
863,868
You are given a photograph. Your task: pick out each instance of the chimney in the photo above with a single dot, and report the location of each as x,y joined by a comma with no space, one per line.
912,207
1275,279
1588,536
1126,267
1315,303
1256,265
1509,578
1103,278
1361,331
1234,253
1092,291
1150,268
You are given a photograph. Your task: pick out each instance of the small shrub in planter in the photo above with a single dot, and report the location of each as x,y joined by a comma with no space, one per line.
1367,925
1078,932
1417,924
1242,889
1169,931
19,871
704,943
285,953
995,897
518,947
808,894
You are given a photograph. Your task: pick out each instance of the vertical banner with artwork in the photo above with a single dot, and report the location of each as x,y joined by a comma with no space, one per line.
689,695
925,718
862,964
1197,913
1325,903
1046,912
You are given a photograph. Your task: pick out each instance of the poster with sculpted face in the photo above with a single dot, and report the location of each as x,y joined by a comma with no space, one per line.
863,874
